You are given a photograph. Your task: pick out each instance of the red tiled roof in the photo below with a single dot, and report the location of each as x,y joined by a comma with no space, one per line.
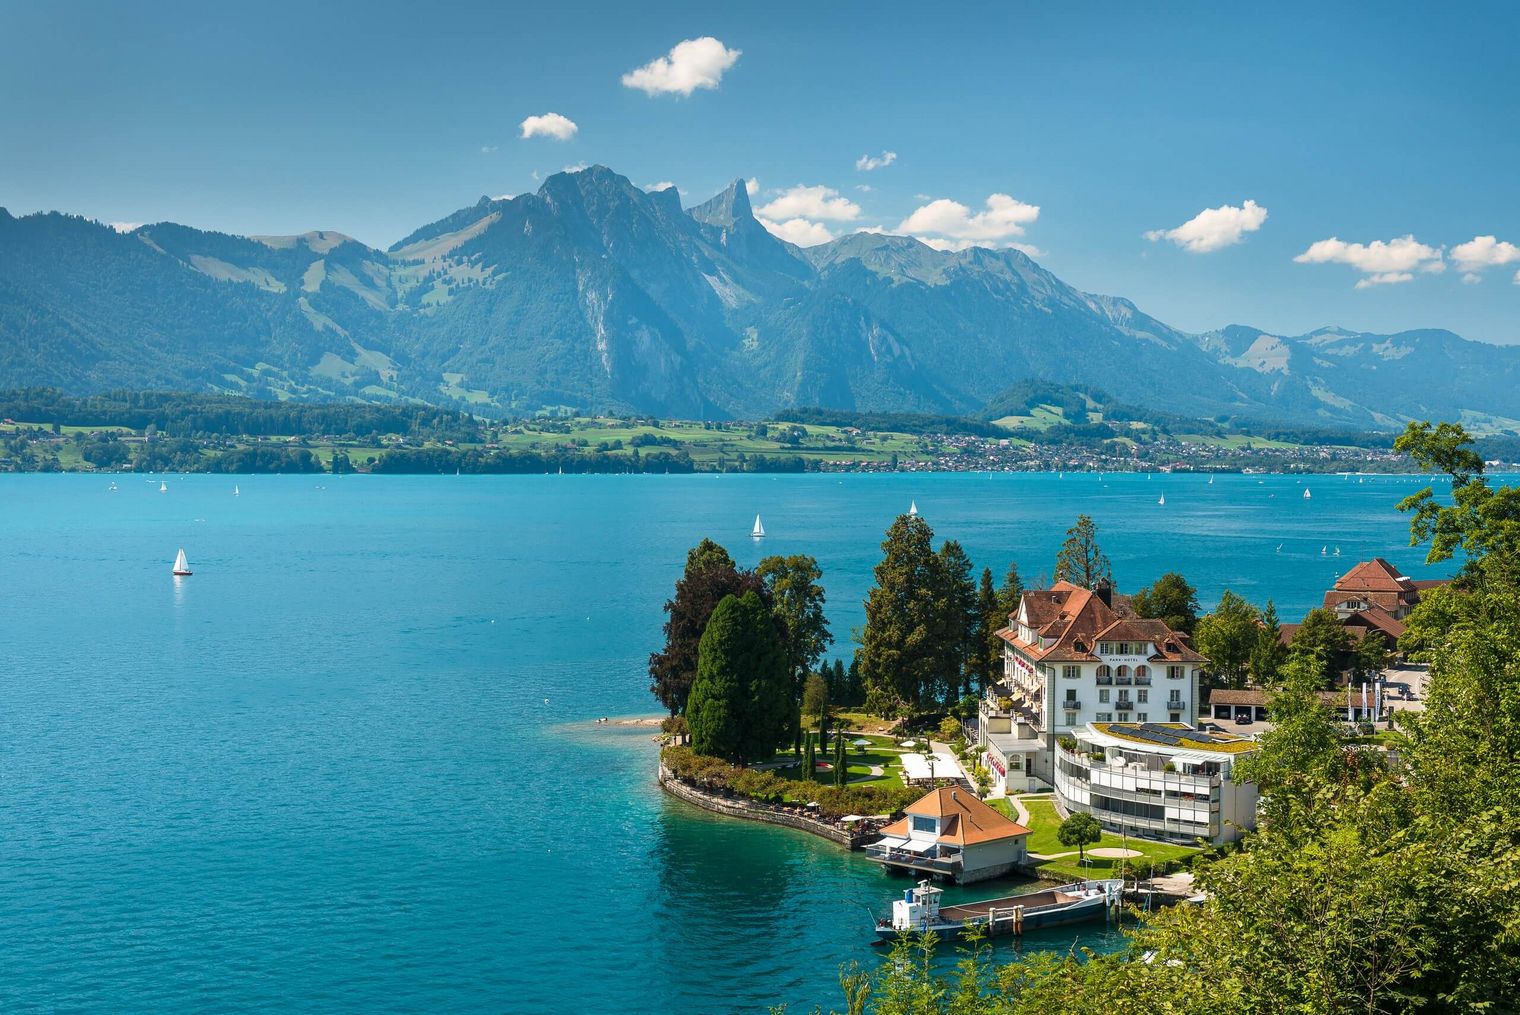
965,820
1076,619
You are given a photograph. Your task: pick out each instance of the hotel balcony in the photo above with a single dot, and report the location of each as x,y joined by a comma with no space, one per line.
1071,704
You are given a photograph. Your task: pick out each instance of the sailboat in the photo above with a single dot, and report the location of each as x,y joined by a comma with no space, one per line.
1323,550
113,488
1279,548
1211,480
912,508
1306,493
1337,551
181,565
1162,500
758,532
163,487
235,491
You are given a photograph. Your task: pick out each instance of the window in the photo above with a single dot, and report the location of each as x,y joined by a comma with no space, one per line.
1104,671
1174,673
1142,717
1142,696
922,824
1071,697
1175,701
1071,718
1142,671
1105,717
1103,696
1123,672
1176,717
1071,672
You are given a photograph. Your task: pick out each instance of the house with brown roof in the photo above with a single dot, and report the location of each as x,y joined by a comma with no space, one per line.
1072,656
1376,584
950,833
1348,704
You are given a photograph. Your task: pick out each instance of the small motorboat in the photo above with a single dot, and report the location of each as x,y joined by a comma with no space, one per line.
919,910
181,565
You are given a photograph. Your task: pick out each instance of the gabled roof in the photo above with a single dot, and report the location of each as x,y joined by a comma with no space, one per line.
965,820
1378,619
1375,575
1076,619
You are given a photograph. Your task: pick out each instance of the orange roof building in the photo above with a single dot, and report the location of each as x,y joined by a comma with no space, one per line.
1376,583
949,832
1073,656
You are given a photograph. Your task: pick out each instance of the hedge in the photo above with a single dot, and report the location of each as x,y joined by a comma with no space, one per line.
718,776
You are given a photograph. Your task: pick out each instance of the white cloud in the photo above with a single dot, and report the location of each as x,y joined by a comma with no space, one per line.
576,168
1214,228
662,185
487,149
1471,278
752,186
691,64
561,128
124,227
864,188
1384,278
1384,263
1517,278
503,197
866,163
950,225
799,231
1484,252
811,203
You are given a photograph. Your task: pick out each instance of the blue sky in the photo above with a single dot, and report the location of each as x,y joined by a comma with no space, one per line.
1362,126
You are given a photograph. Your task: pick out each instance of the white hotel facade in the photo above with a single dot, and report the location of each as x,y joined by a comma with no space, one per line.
1071,657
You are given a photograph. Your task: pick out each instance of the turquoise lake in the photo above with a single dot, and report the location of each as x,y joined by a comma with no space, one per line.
349,764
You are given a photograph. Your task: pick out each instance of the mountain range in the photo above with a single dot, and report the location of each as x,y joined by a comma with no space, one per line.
594,295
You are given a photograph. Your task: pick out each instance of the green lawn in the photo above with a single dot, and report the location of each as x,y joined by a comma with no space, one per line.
1044,821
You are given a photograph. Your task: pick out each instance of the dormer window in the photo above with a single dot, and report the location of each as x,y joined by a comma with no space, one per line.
925,824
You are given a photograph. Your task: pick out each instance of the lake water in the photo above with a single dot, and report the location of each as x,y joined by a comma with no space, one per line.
348,764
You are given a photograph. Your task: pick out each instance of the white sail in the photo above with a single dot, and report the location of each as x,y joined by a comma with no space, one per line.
181,565
1161,499
912,508
759,530
235,491
1306,493
1211,480
163,487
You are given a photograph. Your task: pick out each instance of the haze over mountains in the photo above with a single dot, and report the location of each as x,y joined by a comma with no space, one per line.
595,295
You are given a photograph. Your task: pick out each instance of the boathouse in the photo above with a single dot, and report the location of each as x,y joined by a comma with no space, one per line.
952,834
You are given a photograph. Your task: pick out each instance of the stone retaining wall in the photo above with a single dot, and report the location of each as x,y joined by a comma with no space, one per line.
751,810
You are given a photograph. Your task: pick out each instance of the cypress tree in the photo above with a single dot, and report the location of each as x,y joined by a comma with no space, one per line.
809,759
958,620
841,766
740,706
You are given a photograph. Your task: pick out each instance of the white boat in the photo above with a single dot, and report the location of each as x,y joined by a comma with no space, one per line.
1279,548
112,489
919,910
1323,550
181,565
1337,551
163,487
1161,500
758,532
912,509
1306,493
1211,480
235,491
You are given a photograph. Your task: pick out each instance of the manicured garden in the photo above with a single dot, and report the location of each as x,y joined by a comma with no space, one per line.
1044,823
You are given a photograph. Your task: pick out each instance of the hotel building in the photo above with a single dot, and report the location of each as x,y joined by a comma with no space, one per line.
1074,656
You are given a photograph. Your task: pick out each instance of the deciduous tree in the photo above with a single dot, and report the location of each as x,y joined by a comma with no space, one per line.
709,576
1227,636
1170,599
